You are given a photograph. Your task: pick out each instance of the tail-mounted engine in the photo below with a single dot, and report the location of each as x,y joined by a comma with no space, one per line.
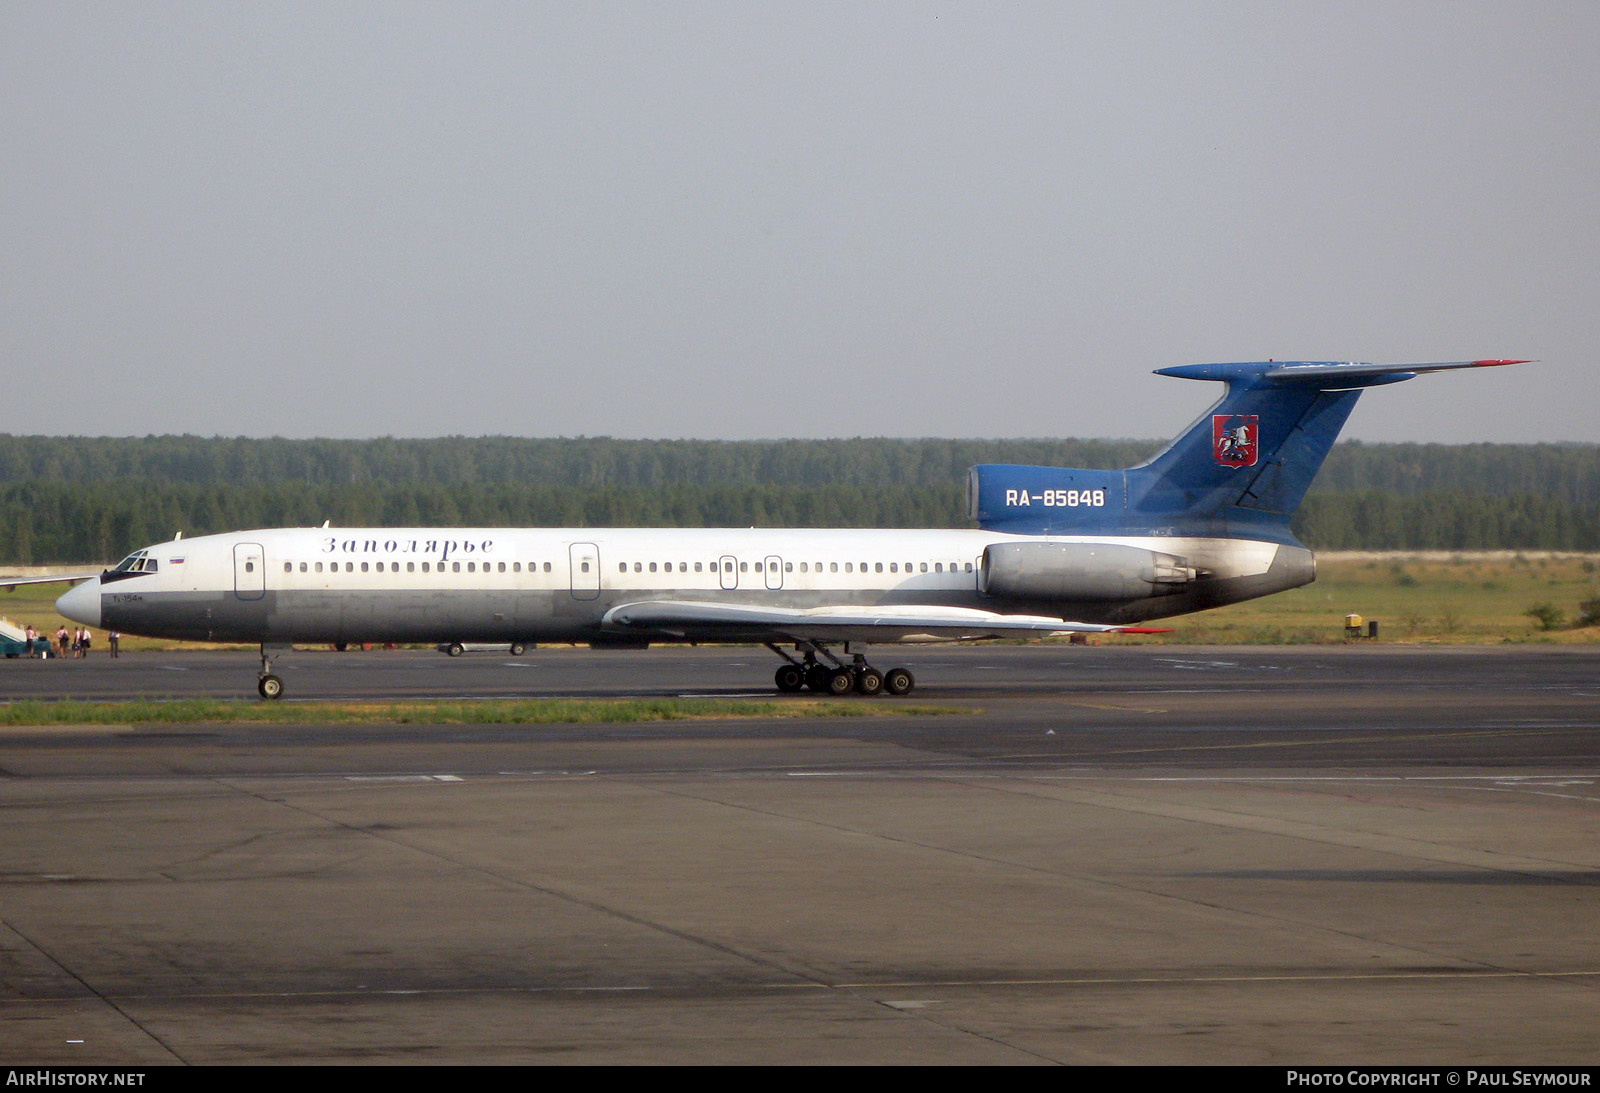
1080,571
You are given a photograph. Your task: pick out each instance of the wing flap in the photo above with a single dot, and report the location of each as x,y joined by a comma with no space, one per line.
62,578
692,620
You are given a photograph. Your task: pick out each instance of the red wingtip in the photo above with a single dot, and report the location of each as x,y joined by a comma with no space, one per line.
1143,630
1496,364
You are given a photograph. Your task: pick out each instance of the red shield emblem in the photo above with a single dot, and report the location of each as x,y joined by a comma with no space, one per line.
1235,439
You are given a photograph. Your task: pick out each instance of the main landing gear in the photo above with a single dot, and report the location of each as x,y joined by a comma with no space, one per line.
859,676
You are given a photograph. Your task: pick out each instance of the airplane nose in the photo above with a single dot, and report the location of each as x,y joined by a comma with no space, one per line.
82,604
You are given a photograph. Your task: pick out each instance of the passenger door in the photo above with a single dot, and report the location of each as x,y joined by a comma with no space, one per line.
249,571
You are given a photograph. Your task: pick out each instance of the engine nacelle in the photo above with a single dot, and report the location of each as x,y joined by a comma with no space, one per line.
1081,571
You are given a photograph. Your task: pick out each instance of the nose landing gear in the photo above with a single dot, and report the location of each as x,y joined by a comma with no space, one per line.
269,685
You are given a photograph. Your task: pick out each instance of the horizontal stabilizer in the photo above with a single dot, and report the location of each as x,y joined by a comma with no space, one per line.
1319,371
1327,375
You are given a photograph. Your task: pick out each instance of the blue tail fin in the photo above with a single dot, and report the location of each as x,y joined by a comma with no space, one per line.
1241,470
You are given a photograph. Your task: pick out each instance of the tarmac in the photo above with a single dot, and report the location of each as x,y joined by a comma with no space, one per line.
1335,855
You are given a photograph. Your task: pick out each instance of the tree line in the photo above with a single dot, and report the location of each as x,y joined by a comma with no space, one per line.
78,500
1567,471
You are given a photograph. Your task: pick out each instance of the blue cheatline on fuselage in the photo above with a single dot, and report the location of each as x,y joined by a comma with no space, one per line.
1058,550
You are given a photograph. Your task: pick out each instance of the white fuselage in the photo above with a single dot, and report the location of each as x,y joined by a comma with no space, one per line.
533,584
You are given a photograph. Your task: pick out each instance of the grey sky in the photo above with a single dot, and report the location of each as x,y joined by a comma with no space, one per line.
760,220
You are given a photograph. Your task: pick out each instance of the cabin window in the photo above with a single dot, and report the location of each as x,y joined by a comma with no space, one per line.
411,567
744,567
802,567
502,567
849,567
288,567
697,568
969,567
758,567
585,567
638,567
683,567
894,567
363,567
652,567
622,567
879,567
455,567
833,567
938,567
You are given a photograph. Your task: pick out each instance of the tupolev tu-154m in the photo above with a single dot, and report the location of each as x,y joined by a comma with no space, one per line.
1203,523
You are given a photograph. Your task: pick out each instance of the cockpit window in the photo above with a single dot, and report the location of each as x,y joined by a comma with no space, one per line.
137,562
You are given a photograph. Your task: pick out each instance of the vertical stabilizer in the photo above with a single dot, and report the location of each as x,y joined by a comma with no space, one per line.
1241,470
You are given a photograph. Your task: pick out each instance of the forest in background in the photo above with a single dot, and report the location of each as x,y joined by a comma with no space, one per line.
92,499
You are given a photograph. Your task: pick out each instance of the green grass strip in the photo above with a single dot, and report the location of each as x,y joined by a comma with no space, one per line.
538,711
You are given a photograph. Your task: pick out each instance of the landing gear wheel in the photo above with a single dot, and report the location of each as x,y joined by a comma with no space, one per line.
517,649
898,681
869,681
789,678
457,649
840,680
819,677
270,686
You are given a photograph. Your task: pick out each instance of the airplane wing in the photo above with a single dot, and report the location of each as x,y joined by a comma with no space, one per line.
10,583
691,620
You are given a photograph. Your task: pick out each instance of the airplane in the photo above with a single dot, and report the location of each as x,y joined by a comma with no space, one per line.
1203,523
